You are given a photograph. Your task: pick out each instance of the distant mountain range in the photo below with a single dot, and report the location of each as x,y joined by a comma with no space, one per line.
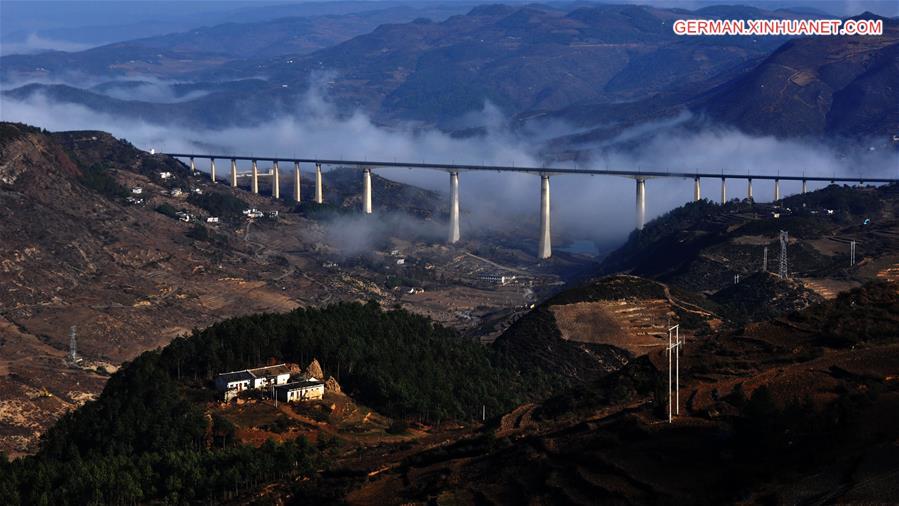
600,68
179,54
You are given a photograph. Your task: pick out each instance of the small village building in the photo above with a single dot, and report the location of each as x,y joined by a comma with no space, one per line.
234,382
265,377
297,391
496,278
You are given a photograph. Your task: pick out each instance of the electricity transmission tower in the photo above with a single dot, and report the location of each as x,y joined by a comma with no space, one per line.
765,259
73,346
674,346
783,270
852,253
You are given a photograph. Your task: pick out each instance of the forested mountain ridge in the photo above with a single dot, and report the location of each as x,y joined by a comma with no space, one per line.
149,427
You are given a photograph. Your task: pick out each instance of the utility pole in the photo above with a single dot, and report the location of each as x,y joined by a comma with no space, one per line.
783,270
852,254
765,259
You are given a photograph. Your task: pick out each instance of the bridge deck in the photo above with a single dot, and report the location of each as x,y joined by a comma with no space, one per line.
538,170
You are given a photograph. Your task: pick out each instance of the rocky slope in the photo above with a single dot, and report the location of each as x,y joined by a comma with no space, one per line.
127,276
702,247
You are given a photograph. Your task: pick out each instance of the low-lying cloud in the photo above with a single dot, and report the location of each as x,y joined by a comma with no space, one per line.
584,207
35,43
155,91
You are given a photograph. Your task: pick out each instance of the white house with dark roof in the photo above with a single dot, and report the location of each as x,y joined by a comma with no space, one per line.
264,377
311,389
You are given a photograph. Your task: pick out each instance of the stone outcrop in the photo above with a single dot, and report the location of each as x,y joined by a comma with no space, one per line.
314,370
331,385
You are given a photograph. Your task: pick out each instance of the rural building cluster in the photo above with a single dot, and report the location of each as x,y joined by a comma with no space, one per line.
274,380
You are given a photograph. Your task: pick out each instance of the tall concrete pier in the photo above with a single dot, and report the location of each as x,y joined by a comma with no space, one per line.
697,190
804,186
233,173
296,182
276,180
641,203
366,190
776,190
212,169
193,166
749,189
255,178
318,184
723,191
454,234
545,249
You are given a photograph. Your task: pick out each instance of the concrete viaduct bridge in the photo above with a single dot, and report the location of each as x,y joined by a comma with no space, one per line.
545,246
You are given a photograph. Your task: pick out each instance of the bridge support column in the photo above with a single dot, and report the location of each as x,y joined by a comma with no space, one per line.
233,173
697,190
641,203
212,169
545,249
723,191
276,180
255,184
296,182
777,190
804,186
318,184
366,190
193,166
749,188
454,234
